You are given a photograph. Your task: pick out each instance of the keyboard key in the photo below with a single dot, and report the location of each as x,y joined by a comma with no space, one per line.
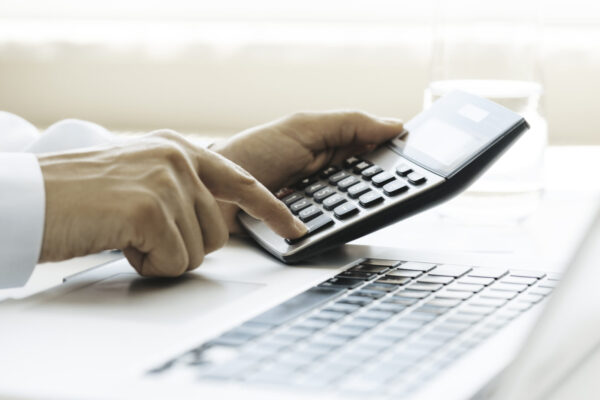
348,283
509,287
323,194
432,310
521,280
309,213
520,306
448,326
392,307
543,291
447,294
335,178
313,226
300,205
531,298
407,273
383,287
395,188
365,275
393,280
351,161
329,315
450,270
403,169
528,274
482,272
498,294
412,293
382,178
370,199
376,314
479,310
357,190
440,302
444,280
371,171
342,307
418,266
345,210
358,168
333,201
488,302
327,172
312,323
357,300
312,189
378,269
428,287
381,262
292,198
473,280
466,318
467,287
406,301
345,183
374,294
416,178
548,284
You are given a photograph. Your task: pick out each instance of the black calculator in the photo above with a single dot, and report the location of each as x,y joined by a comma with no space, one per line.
442,151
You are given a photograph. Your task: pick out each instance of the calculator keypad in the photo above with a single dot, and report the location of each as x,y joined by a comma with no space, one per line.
344,192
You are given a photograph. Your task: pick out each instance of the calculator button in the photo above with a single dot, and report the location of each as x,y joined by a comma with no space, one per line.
309,213
313,226
335,178
371,171
345,183
323,194
358,168
315,187
415,178
327,172
333,201
292,198
395,188
358,189
381,179
300,205
370,199
351,162
345,210
305,182
403,169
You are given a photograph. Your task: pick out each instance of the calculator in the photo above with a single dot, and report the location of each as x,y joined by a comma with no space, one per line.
443,150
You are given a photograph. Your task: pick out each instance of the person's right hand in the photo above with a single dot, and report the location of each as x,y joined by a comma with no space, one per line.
155,198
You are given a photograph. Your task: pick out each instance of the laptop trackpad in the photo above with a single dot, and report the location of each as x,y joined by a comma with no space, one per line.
131,297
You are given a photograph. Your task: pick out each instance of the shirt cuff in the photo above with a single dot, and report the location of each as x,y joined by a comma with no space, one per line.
22,213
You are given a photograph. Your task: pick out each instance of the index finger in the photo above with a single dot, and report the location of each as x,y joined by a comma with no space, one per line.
229,182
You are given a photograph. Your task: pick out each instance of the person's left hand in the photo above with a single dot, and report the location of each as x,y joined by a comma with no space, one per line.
281,152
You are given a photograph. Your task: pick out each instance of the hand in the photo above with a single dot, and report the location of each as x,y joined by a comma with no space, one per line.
283,151
155,198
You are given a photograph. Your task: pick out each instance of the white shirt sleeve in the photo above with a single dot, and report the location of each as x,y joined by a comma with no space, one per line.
22,195
22,208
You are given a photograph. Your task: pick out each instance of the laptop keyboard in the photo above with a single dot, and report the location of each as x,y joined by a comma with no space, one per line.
380,326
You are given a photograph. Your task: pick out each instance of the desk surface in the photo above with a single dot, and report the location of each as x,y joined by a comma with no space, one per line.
548,238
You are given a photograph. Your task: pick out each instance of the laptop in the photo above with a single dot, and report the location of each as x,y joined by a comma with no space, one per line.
358,322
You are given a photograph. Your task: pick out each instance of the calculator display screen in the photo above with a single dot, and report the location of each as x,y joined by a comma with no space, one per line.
442,146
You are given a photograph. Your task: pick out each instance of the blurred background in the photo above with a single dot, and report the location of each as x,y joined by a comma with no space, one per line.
222,66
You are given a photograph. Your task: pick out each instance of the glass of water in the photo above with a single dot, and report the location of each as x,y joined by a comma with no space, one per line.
491,49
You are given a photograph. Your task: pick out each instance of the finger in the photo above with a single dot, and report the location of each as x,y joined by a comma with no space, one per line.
168,257
229,182
342,129
210,218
